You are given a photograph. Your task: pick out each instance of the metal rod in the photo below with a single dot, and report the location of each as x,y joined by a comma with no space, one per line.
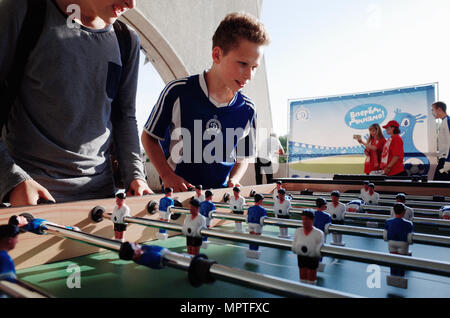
365,207
380,202
382,196
272,284
412,263
435,240
20,289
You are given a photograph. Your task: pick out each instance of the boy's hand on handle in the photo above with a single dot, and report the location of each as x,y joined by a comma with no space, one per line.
29,192
232,183
177,183
138,187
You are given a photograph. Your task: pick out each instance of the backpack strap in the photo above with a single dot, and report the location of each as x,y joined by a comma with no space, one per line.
29,35
124,38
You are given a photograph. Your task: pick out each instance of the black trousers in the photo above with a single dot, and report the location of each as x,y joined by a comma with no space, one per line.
263,163
441,176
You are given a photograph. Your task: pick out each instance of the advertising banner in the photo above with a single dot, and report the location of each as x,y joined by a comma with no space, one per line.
322,130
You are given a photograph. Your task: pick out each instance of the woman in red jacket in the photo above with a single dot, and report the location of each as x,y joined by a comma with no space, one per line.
393,154
374,148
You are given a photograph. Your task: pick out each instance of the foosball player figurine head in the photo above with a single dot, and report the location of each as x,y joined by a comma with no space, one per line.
307,243
409,214
198,193
398,232
281,208
355,206
193,224
206,208
164,211
237,203
255,219
365,187
279,185
120,211
8,240
337,211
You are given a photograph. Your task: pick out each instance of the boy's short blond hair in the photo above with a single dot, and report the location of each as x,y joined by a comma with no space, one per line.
237,26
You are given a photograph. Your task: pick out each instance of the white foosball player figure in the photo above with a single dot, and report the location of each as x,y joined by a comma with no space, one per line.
371,197
192,226
281,207
364,189
198,193
337,211
120,211
307,243
398,232
237,203
409,213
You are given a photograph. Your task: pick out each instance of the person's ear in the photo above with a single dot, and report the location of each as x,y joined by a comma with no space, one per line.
217,54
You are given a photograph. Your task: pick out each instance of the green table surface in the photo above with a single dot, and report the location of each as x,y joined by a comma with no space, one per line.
105,275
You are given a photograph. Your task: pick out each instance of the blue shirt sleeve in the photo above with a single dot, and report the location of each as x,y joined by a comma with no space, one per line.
246,147
161,115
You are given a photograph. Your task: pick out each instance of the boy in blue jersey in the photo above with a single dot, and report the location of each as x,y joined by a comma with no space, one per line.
398,232
206,207
164,211
255,220
8,240
206,124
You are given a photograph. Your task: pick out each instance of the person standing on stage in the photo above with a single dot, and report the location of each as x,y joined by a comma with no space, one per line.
374,148
267,160
393,153
439,110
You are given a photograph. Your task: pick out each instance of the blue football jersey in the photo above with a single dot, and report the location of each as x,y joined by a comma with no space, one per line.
321,219
7,268
398,229
202,139
255,213
164,203
206,207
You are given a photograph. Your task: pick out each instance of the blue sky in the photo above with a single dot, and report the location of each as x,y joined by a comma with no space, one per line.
329,47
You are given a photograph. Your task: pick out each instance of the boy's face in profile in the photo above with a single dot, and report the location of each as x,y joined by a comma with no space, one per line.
110,10
239,65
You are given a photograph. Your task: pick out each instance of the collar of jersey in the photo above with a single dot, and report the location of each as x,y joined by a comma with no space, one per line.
225,107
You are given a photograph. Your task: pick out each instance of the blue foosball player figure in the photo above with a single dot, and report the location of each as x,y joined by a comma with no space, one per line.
255,220
398,232
206,209
192,226
321,221
307,243
8,240
164,211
